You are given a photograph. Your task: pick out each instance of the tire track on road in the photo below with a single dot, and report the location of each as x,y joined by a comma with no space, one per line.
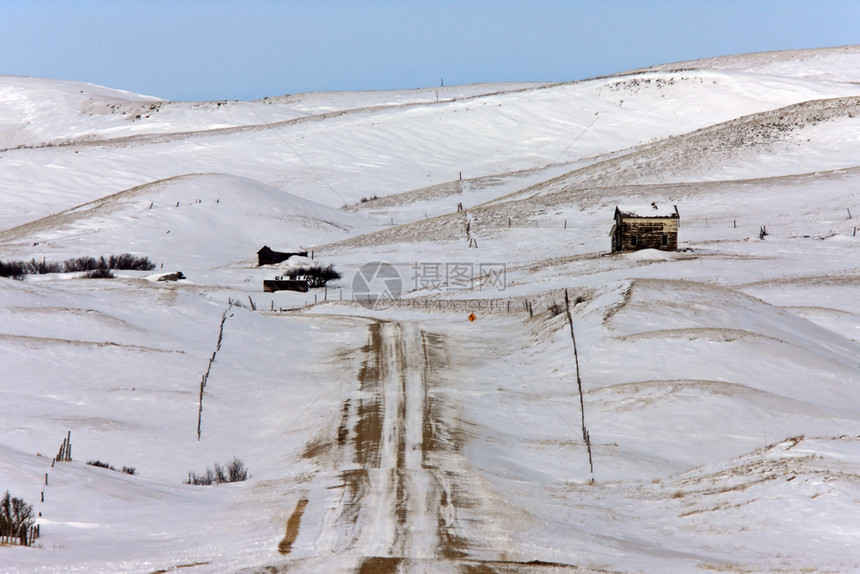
392,501
404,496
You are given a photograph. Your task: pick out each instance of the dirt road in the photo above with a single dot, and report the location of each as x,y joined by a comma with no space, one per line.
405,498
392,501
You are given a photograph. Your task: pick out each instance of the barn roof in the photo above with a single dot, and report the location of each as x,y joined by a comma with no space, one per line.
652,210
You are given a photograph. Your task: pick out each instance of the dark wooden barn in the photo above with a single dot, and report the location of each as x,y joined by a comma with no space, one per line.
285,284
648,227
266,256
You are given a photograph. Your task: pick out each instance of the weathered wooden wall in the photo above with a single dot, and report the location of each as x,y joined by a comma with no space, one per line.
648,232
272,285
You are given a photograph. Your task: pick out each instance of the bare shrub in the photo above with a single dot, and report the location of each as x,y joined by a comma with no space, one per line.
220,475
84,264
18,269
100,268
318,275
126,469
99,274
130,262
235,471
16,518
43,267
203,479
13,269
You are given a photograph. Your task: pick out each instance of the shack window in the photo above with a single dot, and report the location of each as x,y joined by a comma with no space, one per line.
665,241
633,240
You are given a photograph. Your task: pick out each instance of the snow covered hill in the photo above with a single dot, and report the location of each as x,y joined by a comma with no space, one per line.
692,411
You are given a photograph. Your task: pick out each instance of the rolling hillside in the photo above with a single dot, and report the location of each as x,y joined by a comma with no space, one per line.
688,411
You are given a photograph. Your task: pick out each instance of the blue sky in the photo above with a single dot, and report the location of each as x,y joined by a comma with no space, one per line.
216,49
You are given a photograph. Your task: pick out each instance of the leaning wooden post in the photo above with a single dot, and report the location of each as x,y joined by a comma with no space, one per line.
585,436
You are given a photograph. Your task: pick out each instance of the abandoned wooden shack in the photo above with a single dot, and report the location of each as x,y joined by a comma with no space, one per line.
267,256
285,284
649,227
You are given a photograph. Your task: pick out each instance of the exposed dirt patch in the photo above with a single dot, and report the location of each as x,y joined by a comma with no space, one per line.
368,428
691,334
615,308
316,448
34,341
355,485
451,546
513,567
379,565
194,565
434,357
343,429
293,522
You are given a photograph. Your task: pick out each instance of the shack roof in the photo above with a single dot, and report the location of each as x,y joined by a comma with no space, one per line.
652,210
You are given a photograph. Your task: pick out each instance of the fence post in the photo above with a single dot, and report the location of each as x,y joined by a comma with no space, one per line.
585,436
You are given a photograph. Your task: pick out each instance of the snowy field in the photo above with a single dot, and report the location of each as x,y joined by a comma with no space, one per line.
443,431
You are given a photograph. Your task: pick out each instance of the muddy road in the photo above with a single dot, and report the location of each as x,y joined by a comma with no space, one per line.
402,496
395,500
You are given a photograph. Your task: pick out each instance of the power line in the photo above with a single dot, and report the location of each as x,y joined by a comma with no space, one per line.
309,166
